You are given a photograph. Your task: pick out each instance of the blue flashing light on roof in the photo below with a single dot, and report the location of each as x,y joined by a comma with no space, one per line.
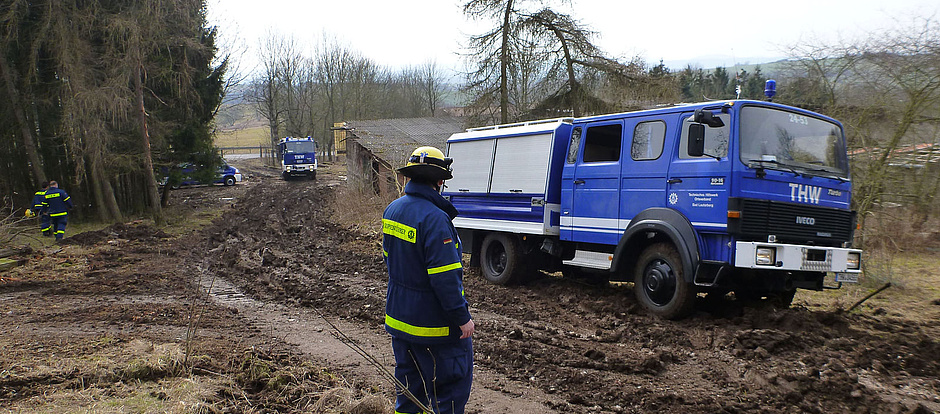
770,89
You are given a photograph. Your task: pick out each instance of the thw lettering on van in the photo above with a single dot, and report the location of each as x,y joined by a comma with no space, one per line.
805,193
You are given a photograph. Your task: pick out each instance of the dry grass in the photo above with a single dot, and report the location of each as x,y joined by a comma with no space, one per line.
358,210
107,375
914,293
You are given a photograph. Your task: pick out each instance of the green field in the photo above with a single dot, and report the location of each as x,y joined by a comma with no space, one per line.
247,137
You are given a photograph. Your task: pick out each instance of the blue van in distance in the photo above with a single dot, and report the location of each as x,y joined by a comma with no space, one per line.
226,175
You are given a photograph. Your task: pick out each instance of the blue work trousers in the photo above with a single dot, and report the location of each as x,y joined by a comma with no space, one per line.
439,376
45,224
58,225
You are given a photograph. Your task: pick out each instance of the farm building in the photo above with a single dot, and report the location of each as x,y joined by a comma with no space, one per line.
376,148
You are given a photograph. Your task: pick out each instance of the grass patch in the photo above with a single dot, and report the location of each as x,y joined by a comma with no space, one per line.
914,278
247,137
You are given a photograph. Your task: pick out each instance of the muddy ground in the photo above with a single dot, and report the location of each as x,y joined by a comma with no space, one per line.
257,306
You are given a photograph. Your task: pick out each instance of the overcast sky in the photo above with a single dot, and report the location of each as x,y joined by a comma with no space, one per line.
399,33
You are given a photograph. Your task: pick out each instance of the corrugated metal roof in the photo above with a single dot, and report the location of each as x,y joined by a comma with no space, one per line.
392,140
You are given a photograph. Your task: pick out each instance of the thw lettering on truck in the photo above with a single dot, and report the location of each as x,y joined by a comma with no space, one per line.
804,193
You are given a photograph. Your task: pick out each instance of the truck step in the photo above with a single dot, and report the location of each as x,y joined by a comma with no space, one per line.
594,260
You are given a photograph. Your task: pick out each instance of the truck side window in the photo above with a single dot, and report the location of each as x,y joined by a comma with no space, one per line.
603,143
648,138
716,139
575,145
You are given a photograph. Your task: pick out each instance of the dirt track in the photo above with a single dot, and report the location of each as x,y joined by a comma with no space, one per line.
279,263
578,347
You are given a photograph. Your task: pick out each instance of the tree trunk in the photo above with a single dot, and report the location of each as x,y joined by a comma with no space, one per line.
504,67
153,195
105,200
572,80
96,190
32,154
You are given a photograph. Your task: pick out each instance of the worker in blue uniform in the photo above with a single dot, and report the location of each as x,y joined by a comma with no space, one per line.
425,311
36,209
57,203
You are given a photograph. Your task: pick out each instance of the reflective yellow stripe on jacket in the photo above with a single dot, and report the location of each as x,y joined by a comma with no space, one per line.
416,330
401,231
441,269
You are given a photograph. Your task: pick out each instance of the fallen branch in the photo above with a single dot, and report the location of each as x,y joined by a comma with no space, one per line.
870,295
10,252
346,340
7,264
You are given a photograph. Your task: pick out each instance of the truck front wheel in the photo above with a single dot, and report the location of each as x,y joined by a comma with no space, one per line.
501,261
659,282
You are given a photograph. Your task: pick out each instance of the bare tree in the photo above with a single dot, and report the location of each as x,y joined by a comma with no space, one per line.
491,52
570,45
828,66
432,86
903,66
267,92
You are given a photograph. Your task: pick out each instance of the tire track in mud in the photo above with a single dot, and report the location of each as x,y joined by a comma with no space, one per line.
286,290
310,332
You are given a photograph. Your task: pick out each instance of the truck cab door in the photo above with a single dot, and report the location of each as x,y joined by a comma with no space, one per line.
646,164
698,186
590,199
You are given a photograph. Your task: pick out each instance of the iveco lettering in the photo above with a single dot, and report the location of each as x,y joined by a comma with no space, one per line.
742,196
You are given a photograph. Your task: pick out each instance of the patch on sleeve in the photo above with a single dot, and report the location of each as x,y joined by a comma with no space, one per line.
448,241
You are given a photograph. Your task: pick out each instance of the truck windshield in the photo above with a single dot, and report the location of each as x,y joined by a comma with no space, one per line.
299,146
778,139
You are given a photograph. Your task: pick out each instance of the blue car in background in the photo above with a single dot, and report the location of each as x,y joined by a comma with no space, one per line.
226,175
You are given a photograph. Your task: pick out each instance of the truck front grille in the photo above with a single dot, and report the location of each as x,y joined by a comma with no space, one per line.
790,222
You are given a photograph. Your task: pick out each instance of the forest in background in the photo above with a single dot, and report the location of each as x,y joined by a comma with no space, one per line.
101,95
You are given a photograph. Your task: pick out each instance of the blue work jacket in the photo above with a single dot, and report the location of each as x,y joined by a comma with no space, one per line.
38,200
57,202
425,302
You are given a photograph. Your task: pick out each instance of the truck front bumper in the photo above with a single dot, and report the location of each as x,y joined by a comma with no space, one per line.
777,256
300,169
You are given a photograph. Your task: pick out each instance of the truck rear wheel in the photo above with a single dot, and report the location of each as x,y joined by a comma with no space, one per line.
660,285
501,262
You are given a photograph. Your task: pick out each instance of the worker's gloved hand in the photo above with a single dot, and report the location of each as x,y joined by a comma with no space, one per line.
29,213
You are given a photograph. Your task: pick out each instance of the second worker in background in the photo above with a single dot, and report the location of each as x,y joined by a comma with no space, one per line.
57,203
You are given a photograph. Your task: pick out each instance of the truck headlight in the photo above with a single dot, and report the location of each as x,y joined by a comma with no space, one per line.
854,261
766,256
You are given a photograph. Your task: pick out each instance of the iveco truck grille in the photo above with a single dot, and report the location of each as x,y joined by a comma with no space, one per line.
790,223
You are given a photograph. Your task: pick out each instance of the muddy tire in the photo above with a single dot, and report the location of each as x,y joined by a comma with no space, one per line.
501,260
229,181
660,285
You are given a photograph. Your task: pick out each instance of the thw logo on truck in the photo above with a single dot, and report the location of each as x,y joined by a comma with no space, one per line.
805,193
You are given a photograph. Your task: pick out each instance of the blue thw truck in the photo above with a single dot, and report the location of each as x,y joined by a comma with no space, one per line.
740,196
298,157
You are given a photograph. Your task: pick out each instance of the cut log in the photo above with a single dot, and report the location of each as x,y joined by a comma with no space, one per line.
11,252
7,264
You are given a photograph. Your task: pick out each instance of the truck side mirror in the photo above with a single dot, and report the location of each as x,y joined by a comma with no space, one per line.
706,117
696,140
